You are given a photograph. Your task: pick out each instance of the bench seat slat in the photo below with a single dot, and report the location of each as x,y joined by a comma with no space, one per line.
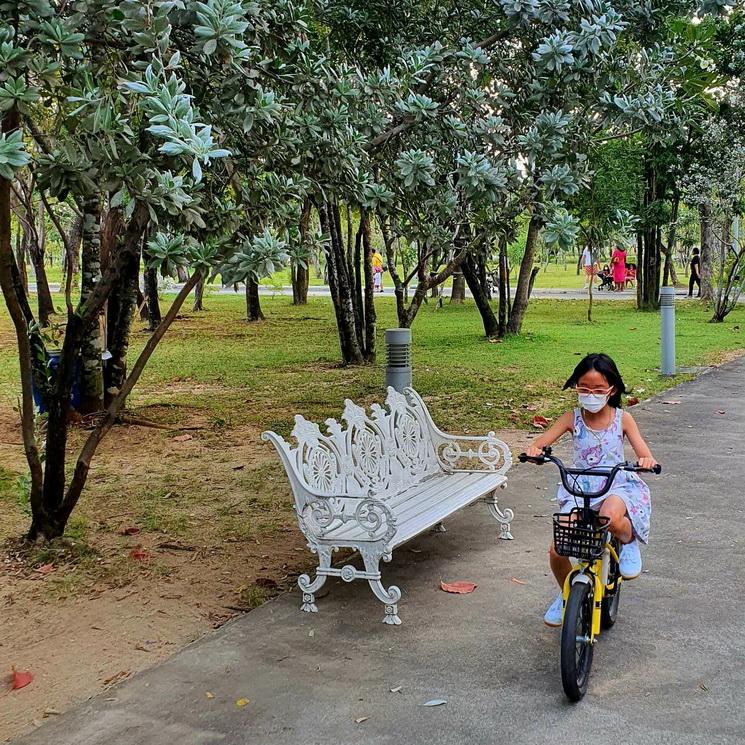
418,509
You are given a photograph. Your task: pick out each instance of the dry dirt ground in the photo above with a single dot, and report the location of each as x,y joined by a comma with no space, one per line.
172,537
177,532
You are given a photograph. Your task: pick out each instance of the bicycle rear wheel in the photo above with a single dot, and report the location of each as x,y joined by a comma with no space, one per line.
576,649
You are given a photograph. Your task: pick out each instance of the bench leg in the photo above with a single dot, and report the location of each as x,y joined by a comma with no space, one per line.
309,588
503,518
389,597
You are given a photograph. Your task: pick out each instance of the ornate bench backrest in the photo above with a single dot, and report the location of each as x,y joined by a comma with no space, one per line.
376,455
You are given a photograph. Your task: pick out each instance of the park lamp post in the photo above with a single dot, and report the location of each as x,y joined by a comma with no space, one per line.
667,313
398,359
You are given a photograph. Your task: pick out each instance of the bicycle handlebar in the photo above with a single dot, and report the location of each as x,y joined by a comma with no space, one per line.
608,473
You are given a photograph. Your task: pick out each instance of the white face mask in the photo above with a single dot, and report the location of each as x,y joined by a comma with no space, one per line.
592,402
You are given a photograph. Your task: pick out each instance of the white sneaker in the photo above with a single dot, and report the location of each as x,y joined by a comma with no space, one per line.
630,560
555,613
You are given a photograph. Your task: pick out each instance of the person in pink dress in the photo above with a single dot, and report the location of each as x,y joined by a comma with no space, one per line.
618,260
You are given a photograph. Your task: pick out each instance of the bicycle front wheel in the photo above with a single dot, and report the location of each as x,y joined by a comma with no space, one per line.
576,648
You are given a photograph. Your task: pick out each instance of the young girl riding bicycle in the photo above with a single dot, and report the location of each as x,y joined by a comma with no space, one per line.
598,427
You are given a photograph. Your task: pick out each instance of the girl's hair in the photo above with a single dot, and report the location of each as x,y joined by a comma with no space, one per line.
607,368
695,251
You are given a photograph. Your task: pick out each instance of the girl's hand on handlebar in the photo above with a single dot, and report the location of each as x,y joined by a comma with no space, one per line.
649,462
533,452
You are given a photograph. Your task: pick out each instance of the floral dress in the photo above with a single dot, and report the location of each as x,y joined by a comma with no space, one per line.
604,448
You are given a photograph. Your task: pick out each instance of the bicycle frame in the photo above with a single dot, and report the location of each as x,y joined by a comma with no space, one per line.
595,573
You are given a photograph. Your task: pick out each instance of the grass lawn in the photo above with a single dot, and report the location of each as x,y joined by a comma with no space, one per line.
264,373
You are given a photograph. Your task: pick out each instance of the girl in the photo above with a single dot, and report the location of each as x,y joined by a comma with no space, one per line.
598,428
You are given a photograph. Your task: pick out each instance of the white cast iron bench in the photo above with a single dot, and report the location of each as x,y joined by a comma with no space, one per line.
385,478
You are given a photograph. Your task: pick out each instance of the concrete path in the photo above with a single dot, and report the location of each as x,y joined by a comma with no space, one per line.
671,671
323,291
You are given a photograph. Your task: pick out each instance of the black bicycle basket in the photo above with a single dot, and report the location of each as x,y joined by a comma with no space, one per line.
573,537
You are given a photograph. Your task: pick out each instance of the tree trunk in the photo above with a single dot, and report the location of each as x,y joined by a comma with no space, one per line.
524,281
151,295
300,281
471,275
668,275
340,285
182,274
707,252
253,302
458,292
369,298
21,260
91,346
503,289
43,294
122,302
198,295
648,286
299,274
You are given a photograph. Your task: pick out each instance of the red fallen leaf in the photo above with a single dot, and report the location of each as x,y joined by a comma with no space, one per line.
518,581
21,678
138,554
632,401
45,569
459,588
540,421
130,531
182,438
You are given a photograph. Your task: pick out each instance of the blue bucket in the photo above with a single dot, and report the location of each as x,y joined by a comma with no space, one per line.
75,393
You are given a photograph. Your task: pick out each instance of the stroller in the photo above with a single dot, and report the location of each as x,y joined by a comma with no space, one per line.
606,280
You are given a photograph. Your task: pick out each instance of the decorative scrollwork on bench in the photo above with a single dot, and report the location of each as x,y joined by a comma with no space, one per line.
321,516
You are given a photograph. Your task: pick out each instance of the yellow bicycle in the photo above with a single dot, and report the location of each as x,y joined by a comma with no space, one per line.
592,589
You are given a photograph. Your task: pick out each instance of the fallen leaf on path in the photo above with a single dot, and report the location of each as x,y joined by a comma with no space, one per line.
397,689
359,720
671,403
138,554
703,686
45,569
116,677
241,702
721,411
435,702
182,438
632,401
21,678
132,530
540,421
459,588
238,468
51,712
209,694
518,581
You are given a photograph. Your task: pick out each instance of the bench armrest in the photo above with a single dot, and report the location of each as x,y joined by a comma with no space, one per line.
466,453
320,518
472,453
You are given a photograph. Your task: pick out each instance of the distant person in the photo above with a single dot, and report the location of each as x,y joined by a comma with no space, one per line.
590,267
377,267
618,261
630,275
695,273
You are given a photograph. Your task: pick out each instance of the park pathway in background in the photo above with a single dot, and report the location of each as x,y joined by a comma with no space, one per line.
670,671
